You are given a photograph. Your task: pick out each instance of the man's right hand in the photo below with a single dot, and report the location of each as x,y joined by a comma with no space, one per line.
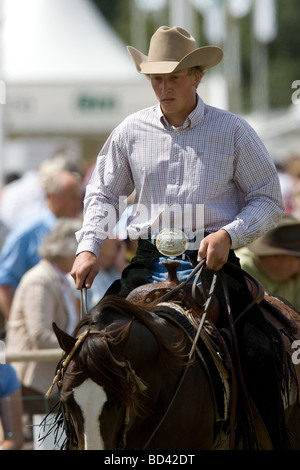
85,269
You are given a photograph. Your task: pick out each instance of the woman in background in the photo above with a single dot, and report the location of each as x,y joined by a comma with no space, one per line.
43,296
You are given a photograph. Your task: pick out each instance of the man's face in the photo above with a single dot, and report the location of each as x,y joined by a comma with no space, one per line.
176,93
286,267
67,202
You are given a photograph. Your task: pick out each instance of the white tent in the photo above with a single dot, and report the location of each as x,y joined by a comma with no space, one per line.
60,40
65,69
68,80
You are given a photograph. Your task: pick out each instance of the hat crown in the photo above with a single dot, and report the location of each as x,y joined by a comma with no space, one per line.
170,44
174,49
281,240
285,236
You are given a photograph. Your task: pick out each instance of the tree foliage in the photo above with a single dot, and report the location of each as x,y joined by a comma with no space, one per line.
283,51
284,55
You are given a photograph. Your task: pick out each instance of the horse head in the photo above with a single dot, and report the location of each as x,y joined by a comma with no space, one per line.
112,371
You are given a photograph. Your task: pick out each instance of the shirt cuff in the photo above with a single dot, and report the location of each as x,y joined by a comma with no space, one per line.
89,245
235,235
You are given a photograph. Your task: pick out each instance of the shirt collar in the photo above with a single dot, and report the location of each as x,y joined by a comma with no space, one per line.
194,118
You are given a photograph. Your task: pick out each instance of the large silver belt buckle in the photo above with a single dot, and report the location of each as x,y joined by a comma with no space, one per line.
171,242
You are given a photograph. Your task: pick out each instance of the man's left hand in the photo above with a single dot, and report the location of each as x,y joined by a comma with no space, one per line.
215,248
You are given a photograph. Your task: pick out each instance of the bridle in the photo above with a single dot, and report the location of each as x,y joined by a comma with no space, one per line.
64,364
137,383
131,376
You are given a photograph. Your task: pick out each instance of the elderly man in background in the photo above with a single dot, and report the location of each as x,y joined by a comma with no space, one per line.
63,190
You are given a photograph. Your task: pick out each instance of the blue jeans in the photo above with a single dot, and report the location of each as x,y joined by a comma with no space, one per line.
160,272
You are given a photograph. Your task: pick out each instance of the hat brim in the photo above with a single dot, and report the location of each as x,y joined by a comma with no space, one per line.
204,57
260,248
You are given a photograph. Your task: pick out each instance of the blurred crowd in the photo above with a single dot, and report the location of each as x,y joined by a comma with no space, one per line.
289,175
40,211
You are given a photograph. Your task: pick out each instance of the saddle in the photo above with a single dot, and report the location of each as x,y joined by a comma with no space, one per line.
192,299
189,298
284,322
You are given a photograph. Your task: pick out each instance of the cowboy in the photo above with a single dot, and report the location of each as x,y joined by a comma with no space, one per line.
204,182
274,259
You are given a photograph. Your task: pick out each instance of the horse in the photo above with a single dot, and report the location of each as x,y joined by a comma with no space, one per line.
152,376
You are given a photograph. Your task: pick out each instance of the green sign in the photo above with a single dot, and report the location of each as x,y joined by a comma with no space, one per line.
96,103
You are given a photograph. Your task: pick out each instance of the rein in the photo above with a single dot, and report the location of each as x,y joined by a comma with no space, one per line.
60,372
197,271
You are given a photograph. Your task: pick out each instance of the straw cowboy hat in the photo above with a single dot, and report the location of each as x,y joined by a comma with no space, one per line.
282,240
173,49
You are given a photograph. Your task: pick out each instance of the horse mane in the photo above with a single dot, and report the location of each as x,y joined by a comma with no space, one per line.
169,342
100,360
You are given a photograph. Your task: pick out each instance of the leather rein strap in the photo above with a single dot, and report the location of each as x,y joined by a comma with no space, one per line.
252,420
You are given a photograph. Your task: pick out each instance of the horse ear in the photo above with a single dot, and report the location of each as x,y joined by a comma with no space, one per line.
65,341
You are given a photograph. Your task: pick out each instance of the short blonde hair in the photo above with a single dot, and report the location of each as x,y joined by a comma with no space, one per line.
197,70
